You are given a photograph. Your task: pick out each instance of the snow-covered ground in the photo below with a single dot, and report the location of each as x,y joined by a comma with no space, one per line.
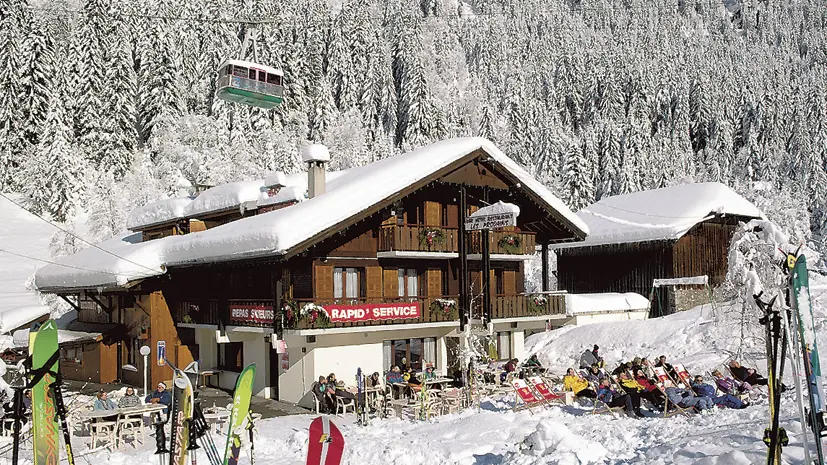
701,338
24,234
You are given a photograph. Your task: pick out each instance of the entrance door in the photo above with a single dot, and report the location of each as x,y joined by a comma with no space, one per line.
273,373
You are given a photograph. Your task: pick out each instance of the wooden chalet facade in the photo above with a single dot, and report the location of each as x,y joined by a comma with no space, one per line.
621,264
388,277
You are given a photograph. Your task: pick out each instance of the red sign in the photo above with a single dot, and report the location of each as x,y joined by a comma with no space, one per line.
251,313
365,312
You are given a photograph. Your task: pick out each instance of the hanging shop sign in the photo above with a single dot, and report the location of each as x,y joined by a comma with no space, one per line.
366,312
251,314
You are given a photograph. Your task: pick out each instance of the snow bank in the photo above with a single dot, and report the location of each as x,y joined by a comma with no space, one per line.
605,302
557,444
659,214
26,236
224,197
157,212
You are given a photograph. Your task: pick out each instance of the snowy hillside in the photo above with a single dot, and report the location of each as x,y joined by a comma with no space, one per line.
23,234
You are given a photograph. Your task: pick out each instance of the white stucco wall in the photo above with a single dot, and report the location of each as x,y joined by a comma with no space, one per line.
255,351
207,348
586,319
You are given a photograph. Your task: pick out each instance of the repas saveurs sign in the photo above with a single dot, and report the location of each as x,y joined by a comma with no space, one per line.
337,313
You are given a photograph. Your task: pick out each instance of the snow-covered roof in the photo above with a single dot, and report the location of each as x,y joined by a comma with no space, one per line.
250,64
608,302
347,193
112,263
225,197
659,214
158,212
276,178
497,209
357,189
285,194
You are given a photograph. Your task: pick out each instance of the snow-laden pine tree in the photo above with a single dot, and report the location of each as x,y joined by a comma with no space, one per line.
107,215
323,111
161,93
579,190
53,176
11,93
38,80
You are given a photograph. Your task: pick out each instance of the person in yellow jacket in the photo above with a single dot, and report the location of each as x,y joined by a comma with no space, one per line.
577,384
630,385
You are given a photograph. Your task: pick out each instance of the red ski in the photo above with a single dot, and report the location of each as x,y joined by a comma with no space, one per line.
326,443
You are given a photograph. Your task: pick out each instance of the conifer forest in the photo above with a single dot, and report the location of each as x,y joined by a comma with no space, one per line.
106,105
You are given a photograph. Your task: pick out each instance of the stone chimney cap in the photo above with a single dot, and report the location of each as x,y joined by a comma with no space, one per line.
315,153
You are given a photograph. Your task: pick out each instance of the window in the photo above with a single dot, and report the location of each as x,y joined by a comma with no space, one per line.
348,283
262,76
274,79
408,282
72,354
498,281
252,75
409,353
231,356
239,71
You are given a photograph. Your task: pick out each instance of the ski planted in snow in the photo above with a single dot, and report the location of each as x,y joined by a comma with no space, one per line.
809,348
44,367
202,431
361,412
179,435
774,435
326,443
241,405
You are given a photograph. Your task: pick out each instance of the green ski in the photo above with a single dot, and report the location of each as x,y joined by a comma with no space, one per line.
46,438
241,407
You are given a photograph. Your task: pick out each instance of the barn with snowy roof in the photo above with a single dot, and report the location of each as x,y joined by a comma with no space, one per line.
323,271
675,238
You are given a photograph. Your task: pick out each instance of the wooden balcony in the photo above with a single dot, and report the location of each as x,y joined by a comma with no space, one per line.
421,238
203,312
524,305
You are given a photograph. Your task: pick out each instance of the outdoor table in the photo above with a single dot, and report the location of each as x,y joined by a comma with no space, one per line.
217,417
101,415
208,373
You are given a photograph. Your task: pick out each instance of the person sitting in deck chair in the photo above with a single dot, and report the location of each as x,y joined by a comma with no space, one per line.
509,367
612,398
652,393
587,359
728,385
631,386
706,390
670,370
749,375
577,384
685,398
622,368
594,374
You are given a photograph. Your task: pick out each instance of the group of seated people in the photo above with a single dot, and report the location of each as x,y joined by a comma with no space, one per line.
328,389
634,381
531,366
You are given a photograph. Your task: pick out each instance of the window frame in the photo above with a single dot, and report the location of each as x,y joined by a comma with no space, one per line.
238,363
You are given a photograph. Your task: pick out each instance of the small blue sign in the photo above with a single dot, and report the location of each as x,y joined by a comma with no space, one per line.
162,353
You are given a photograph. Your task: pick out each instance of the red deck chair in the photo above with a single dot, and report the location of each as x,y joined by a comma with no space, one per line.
525,397
683,375
542,388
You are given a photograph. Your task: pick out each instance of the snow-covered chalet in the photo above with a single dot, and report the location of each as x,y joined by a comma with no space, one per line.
317,272
670,244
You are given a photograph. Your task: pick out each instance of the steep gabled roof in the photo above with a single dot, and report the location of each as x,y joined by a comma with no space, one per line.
349,196
659,214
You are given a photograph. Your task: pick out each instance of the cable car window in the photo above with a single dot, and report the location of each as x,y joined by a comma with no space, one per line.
252,74
274,79
239,71
261,76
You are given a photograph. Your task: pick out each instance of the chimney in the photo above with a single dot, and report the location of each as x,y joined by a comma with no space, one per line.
315,156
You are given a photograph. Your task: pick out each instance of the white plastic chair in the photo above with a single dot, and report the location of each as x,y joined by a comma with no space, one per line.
103,431
344,404
130,426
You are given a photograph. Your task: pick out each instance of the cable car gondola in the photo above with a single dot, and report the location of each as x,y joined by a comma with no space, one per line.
249,82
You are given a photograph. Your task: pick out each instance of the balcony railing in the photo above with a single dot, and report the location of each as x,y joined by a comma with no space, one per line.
421,238
203,312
